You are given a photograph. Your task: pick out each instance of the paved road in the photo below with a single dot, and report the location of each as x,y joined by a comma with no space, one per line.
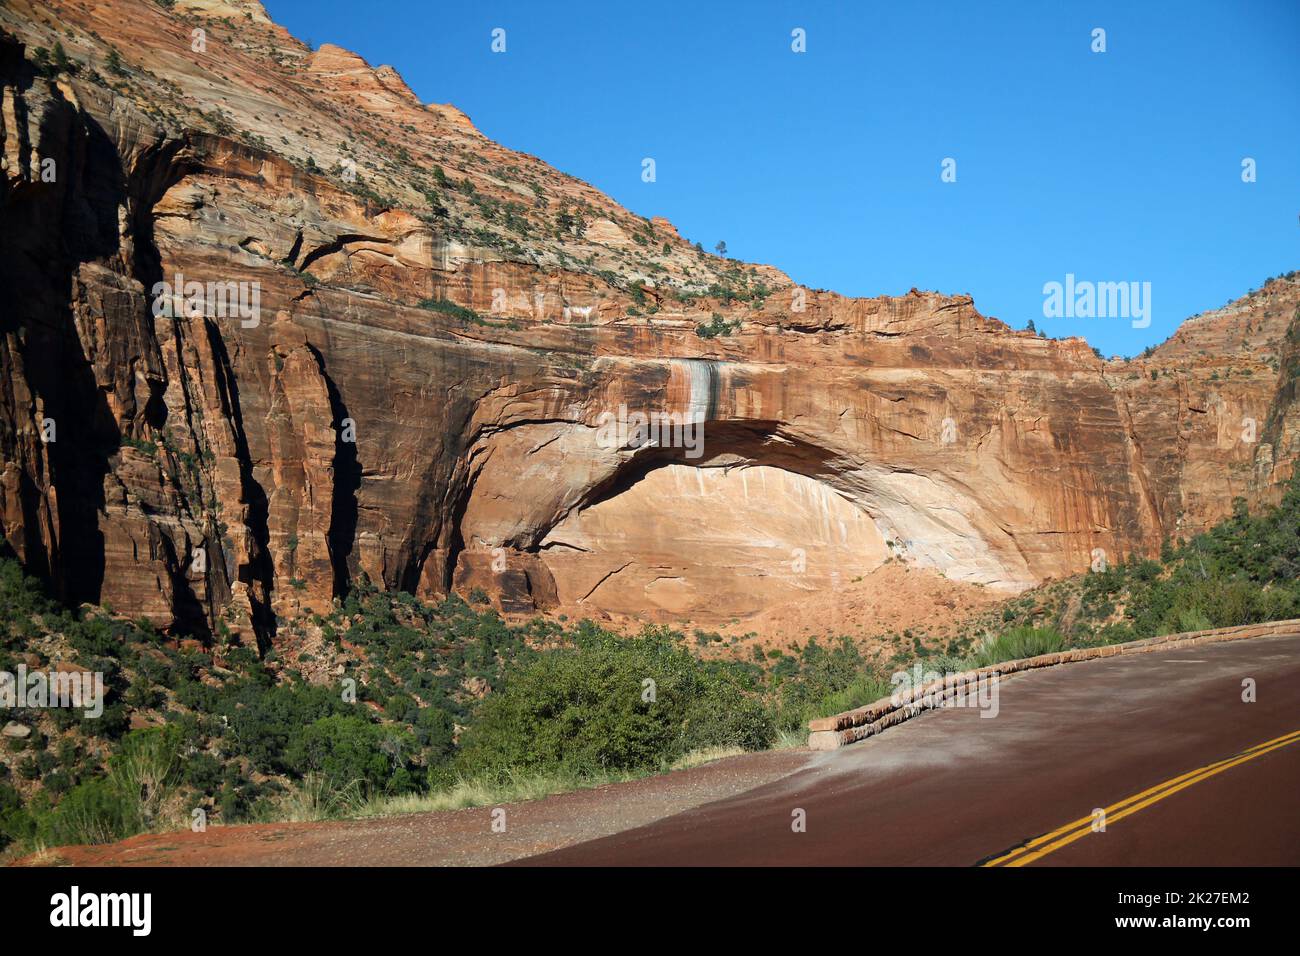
952,788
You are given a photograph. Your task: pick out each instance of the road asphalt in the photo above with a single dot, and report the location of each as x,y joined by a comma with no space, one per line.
1146,738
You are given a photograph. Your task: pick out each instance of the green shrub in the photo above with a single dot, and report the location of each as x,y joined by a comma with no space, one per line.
263,721
1016,643
717,326
15,822
96,811
135,795
347,750
447,307
589,708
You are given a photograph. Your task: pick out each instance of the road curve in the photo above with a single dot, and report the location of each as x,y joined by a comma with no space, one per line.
1150,734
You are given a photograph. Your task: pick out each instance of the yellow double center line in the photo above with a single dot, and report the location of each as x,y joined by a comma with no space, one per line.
1039,847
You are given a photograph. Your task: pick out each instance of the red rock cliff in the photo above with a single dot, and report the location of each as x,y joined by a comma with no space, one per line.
442,327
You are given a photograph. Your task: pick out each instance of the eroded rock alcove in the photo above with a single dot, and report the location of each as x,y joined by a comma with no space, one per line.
711,543
754,517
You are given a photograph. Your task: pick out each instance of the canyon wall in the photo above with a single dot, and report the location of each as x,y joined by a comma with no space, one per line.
412,341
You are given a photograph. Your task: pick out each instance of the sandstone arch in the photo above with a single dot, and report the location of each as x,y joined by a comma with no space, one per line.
766,512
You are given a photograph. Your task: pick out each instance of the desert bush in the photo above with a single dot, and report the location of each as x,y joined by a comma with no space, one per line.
1016,643
138,793
346,751
823,679
146,773
318,797
447,307
717,326
588,709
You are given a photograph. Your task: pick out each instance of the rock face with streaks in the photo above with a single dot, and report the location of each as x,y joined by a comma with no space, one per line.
271,324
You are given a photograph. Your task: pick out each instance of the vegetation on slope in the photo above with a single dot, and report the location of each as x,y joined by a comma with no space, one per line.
453,705
187,727
1244,570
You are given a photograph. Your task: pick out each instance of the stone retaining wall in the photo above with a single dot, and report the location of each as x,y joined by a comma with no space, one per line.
828,733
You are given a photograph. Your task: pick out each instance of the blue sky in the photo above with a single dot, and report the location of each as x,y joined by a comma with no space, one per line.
1115,166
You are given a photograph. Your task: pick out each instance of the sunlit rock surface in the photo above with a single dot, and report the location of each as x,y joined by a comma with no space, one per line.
215,472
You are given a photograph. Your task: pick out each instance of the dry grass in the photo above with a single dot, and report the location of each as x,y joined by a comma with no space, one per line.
516,788
43,856
315,799
698,758
488,791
